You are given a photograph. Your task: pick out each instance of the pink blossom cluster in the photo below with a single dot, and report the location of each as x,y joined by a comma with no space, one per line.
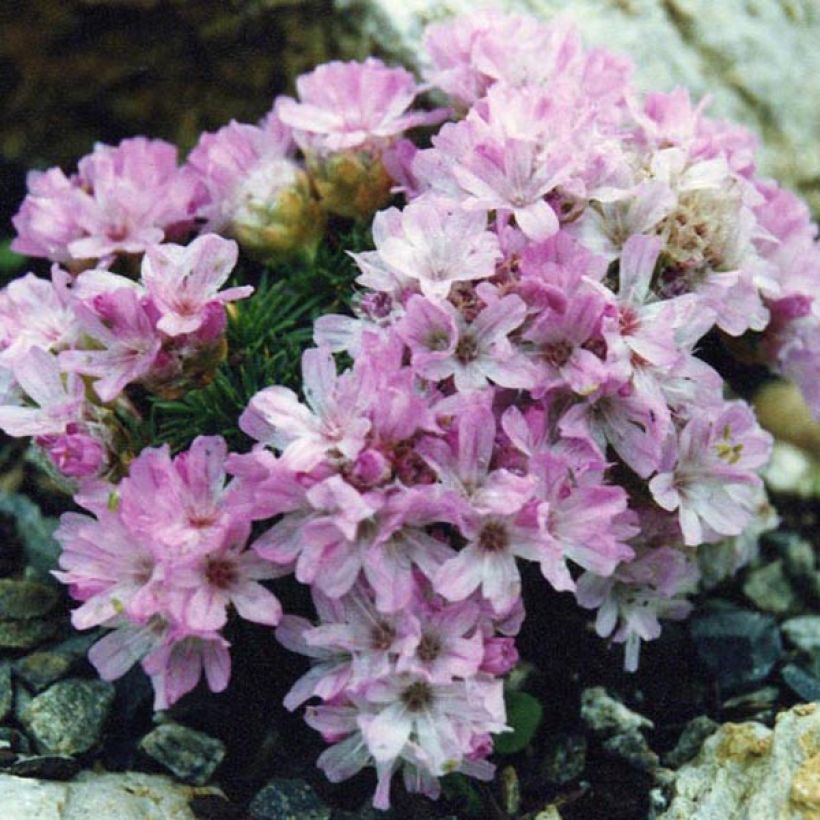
524,384
244,181
71,346
160,561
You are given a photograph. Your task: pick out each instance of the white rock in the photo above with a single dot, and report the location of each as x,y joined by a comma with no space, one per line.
746,771
760,59
105,796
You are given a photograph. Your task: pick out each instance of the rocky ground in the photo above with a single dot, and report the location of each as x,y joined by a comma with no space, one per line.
737,675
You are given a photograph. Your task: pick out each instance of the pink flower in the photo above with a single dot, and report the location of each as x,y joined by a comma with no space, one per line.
637,595
225,576
331,421
34,314
710,480
121,200
512,150
352,105
108,569
176,666
444,344
75,453
125,330
226,159
563,345
183,504
436,243
46,223
184,281
58,402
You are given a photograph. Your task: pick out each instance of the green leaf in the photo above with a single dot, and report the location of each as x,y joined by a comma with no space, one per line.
524,714
461,790
10,262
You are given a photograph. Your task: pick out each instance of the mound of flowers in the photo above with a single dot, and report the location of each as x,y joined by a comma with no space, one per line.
518,379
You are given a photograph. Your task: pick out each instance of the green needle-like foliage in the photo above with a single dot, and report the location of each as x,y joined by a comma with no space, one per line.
266,336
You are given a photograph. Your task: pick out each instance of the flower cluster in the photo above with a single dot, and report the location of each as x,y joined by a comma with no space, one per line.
159,562
524,384
163,333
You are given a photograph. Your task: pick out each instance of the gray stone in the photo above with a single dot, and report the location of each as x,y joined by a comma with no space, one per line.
769,589
633,749
21,599
758,59
27,634
746,771
564,759
738,647
100,795
6,690
805,685
803,632
760,705
799,560
606,716
284,799
40,669
14,740
45,767
36,531
68,718
190,755
690,741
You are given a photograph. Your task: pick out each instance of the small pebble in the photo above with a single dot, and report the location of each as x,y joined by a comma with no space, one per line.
606,716
690,741
190,755
632,748
805,685
21,599
45,767
737,646
803,632
284,799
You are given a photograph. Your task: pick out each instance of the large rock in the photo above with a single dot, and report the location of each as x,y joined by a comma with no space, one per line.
126,796
746,771
758,58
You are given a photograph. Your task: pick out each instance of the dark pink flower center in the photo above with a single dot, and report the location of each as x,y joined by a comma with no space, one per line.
417,696
466,349
557,353
221,572
382,636
429,648
493,537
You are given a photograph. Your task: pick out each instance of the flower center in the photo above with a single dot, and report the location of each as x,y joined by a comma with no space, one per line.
429,648
493,537
382,636
417,696
557,353
466,349
220,572
437,340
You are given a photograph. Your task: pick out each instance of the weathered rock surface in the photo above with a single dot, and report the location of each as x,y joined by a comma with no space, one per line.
746,771
606,716
738,647
125,796
283,799
758,58
190,755
69,716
